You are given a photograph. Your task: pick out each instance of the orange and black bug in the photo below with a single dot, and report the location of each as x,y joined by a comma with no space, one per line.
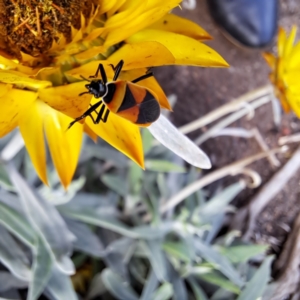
126,99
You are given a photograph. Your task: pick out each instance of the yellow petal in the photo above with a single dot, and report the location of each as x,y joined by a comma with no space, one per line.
12,103
21,81
31,127
53,74
281,41
270,59
293,61
291,81
95,51
193,52
89,69
294,101
141,21
95,33
135,56
182,26
64,145
93,136
121,134
290,42
66,98
106,5
143,55
124,17
149,83
115,8
169,4
13,65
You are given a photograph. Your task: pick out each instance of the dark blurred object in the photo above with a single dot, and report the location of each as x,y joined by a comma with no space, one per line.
250,23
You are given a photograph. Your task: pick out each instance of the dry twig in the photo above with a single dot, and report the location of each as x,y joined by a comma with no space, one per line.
265,195
232,106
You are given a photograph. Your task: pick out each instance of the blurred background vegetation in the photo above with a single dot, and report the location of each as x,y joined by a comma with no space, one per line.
124,247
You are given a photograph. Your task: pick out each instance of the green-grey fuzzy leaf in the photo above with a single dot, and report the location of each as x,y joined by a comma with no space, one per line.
46,220
86,201
96,288
197,290
144,232
147,140
93,218
42,267
60,287
150,232
178,250
116,286
219,203
115,183
157,259
135,179
254,289
150,286
158,165
220,281
153,204
164,292
14,220
179,287
8,281
118,245
86,241
104,153
4,179
13,257
242,253
219,261
60,196
222,294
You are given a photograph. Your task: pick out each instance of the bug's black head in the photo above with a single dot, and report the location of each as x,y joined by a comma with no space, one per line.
97,88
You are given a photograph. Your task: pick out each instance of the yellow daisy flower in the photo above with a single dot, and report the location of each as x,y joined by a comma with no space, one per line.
48,47
286,71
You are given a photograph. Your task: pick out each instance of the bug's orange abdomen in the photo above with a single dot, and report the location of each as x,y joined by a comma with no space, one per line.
132,102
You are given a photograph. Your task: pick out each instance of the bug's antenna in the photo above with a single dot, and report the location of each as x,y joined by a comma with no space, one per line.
84,78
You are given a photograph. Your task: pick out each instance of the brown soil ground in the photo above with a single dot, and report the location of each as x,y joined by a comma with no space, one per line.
200,90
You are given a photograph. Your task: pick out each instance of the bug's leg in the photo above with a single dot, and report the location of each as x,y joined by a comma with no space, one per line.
91,116
87,113
102,72
147,75
100,114
106,116
117,69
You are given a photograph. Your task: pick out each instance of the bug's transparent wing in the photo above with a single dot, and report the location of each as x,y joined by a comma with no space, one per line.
167,134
